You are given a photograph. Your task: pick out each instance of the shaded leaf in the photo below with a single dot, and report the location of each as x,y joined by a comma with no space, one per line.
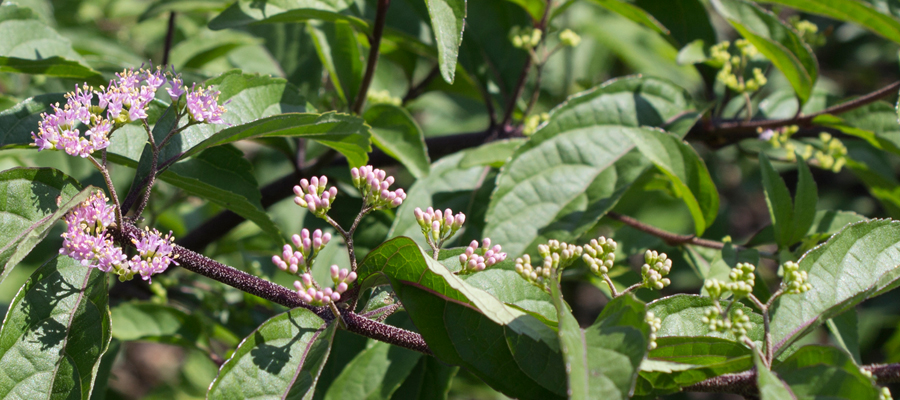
494,154
582,152
770,386
858,12
845,329
687,172
223,176
245,12
55,332
778,200
685,20
375,373
396,133
430,379
776,41
339,52
31,201
467,326
634,13
863,257
815,371
282,358
155,322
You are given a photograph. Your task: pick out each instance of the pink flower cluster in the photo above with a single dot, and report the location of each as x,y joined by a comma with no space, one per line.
312,195
86,240
308,246
437,226
472,262
81,128
308,290
373,184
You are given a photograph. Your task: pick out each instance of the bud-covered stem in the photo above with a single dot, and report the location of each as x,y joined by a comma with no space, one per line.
112,189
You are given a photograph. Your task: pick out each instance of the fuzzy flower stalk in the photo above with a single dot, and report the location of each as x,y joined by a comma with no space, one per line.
88,241
471,261
438,226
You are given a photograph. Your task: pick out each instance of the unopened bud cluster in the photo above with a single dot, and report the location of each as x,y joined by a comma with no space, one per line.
655,324
808,31
733,67
313,195
307,248
532,122
655,269
382,97
309,292
556,256
885,394
568,38
599,255
833,154
794,281
780,137
738,323
438,226
373,184
525,38
741,282
472,262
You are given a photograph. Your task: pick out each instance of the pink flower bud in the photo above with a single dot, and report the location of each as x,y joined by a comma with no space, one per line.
317,243
486,242
473,245
396,202
354,173
311,292
327,292
480,267
326,238
295,239
460,219
469,252
293,268
314,181
496,248
323,181
341,287
438,215
334,271
400,193
298,190
307,279
472,264
333,191
319,296
297,285
430,210
448,220
419,215
343,274
335,296
304,184
463,258
307,244
300,202
351,277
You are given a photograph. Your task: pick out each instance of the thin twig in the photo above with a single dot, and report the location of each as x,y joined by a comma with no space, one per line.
416,90
674,239
372,62
170,34
526,68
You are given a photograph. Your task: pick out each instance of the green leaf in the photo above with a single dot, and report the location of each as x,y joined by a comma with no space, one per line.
582,153
805,200
875,123
778,199
845,329
223,176
17,123
689,360
205,46
55,332
820,371
429,380
156,322
863,258
182,6
509,287
687,172
681,315
375,373
447,22
396,133
825,224
467,326
774,40
31,201
245,12
494,154
30,46
344,133
339,52
486,50
858,12
282,358
634,13
685,20
770,386
603,360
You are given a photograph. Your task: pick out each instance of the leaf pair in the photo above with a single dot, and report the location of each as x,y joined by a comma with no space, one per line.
791,219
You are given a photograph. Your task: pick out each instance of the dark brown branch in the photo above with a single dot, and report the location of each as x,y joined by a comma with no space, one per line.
744,383
372,62
170,34
417,90
720,133
673,239
275,293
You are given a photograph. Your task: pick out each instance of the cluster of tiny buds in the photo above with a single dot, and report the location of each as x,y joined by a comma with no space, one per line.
438,226
556,257
310,294
738,324
599,255
525,38
373,184
794,281
655,324
312,195
885,394
472,262
656,267
741,285
308,246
